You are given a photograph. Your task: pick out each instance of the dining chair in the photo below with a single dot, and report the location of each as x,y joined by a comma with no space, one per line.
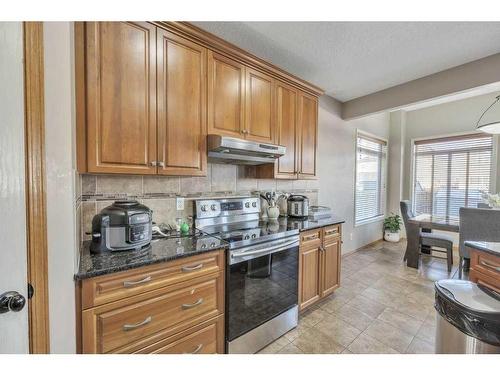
437,242
476,224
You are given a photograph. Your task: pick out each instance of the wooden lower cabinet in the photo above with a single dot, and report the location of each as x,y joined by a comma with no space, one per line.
183,317
484,269
319,264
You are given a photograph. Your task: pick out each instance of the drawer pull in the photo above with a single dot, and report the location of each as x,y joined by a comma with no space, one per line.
186,306
194,268
128,284
311,237
490,266
331,231
129,327
198,348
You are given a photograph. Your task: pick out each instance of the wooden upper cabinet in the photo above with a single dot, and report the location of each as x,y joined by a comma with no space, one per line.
226,96
308,128
286,127
121,97
182,86
259,121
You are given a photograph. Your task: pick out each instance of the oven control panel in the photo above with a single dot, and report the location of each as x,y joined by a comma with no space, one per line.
213,208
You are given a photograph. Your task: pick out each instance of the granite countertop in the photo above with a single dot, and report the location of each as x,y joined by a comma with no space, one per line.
160,250
308,223
488,247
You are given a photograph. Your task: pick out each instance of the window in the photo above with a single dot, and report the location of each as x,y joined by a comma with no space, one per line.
450,173
371,157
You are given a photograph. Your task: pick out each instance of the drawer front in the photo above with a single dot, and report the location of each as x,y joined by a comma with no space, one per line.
108,288
206,338
486,264
122,326
311,238
331,233
485,280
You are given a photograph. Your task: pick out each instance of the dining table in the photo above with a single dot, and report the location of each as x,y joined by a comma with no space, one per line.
425,222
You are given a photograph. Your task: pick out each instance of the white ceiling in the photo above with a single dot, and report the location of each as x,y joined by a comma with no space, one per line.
352,59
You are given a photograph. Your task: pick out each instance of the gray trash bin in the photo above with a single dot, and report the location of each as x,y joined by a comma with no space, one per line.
468,319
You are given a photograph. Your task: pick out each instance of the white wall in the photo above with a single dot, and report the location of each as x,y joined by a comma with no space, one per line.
59,129
336,166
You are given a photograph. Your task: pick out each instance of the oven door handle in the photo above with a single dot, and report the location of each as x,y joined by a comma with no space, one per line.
269,250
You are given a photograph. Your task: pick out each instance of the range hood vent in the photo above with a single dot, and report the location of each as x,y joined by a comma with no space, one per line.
229,150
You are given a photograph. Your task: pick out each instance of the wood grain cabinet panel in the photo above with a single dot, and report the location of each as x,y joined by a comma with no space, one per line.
286,128
259,121
330,271
319,264
308,128
182,85
485,269
309,282
121,97
226,96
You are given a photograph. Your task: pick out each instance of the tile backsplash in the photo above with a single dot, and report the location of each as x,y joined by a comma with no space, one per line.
160,192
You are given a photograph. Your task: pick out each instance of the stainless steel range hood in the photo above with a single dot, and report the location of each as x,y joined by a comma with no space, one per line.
229,150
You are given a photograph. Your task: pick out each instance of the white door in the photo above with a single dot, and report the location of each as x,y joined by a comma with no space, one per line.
13,256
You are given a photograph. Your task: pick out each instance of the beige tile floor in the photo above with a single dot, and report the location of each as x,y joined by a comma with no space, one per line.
382,306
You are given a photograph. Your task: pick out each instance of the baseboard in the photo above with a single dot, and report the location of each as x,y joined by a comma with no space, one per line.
362,247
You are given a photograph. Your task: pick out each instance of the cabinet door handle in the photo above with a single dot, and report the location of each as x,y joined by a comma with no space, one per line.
490,266
186,306
161,164
190,269
154,163
196,350
130,327
128,284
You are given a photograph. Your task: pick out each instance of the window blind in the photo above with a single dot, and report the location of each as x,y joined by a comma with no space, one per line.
371,156
450,173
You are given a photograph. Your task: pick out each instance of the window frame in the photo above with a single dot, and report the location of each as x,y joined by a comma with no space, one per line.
383,191
494,158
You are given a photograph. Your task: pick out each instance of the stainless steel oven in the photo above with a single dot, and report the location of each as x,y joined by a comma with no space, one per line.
261,296
262,271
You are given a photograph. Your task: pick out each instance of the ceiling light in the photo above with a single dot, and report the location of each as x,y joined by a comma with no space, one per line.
489,122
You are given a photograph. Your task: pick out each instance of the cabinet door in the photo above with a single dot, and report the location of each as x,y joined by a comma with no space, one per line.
330,267
308,127
309,283
226,94
286,126
121,97
182,127
259,121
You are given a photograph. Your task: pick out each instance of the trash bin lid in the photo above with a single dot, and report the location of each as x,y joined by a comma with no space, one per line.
470,309
469,295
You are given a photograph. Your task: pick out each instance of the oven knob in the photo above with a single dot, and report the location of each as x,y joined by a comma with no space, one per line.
203,208
247,205
247,237
254,204
212,244
254,235
204,246
213,207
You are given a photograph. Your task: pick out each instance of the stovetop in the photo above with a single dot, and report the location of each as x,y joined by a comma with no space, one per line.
251,232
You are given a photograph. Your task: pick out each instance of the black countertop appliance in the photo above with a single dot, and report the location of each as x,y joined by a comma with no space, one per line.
124,225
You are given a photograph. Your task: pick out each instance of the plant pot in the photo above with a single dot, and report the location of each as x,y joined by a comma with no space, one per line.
392,236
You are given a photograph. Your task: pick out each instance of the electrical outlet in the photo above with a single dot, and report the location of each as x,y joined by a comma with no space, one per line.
179,203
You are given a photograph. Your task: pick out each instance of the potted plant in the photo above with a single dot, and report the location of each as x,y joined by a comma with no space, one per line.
392,228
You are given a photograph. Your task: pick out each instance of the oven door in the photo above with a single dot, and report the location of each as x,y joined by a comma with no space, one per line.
262,283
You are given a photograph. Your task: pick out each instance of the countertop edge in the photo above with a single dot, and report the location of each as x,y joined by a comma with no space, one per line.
482,246
108,271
